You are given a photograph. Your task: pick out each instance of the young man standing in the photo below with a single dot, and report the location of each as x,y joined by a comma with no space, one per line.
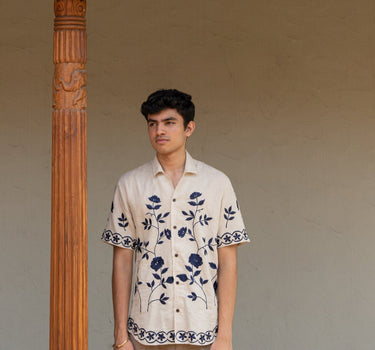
181,220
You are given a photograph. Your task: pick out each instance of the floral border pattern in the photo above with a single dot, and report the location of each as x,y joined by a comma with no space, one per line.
172,337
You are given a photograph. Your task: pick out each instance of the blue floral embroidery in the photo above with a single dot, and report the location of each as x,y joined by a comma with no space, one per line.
195,260
160,280
118,239
232,237
162,337
229,215
123,221
192,216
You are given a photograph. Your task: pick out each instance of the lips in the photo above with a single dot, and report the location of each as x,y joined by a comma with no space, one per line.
161,140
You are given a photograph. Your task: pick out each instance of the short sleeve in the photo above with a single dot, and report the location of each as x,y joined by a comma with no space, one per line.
231,226
119,230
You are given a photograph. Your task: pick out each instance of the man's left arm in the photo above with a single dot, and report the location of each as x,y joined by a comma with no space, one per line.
226,293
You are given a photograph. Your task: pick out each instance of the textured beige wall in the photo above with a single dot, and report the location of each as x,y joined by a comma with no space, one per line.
285,106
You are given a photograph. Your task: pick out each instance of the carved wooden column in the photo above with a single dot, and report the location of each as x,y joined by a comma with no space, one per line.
68,295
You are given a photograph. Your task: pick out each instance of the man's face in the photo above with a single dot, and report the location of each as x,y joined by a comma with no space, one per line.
167,133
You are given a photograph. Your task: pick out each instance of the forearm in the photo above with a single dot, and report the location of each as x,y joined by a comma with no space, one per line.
121,286
226,291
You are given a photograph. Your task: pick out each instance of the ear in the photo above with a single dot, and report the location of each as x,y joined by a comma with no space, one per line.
189,128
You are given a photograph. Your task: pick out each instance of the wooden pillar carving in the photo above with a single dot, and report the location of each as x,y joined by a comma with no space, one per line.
68,294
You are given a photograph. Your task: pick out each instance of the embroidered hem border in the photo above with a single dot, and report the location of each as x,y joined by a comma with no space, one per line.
233,237
118,239
162,337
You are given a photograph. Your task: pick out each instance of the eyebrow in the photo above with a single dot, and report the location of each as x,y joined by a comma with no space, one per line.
163,120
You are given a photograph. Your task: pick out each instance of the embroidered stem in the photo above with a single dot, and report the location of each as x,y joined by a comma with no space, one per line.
152,291
205,300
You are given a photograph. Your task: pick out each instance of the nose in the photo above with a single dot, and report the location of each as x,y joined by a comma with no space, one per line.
159,129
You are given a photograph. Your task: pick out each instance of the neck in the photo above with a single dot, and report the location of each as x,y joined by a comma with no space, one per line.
174,162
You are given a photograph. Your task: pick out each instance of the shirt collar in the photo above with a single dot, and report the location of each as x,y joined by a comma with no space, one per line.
190,166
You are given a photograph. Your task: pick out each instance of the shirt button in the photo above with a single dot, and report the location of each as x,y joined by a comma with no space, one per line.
176,255
177,310
174,199
174,226
177,282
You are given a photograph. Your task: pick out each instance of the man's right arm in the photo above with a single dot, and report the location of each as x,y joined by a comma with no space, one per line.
121,289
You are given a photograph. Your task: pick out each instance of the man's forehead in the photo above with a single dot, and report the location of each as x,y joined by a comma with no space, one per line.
165,115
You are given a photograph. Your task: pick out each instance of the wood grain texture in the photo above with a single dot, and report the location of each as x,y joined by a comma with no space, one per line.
68,293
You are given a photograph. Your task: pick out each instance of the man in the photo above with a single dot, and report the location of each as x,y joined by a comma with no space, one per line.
181,220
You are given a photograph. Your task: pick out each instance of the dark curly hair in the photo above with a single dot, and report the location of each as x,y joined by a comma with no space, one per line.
170,98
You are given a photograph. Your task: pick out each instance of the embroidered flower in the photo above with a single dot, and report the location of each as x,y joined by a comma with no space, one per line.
157,263
154,199
195,260
195,195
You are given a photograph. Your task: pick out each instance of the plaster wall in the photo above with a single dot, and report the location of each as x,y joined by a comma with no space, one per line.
285,103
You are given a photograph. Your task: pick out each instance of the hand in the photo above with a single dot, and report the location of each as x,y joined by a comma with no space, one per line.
128,346
221,344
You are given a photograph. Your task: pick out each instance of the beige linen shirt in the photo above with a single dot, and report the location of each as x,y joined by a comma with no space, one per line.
175,233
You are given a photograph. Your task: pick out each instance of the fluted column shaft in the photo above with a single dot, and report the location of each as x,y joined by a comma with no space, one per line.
68,294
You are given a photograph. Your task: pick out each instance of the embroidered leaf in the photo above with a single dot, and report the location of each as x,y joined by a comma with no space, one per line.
146,243
205,281
149,206
193,203
148,285
196,273
184,212
191,239
182,232
161,221
156,276
139,282
189,268
168,233
169,280
225,217
201,202
156,207
158,217
164,270
205,252
190,218
152,283
204,240
163,299
182,277
160,242
213,265
193,296
165,215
